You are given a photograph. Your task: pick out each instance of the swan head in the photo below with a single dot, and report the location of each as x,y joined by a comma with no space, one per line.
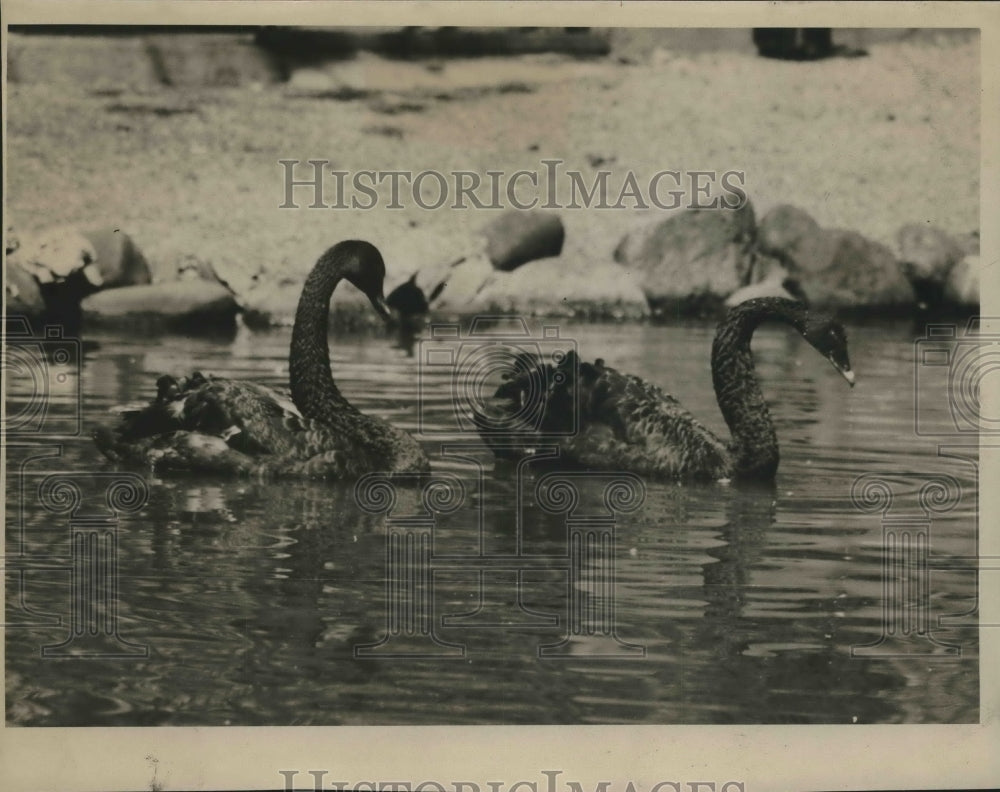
361,264
828,337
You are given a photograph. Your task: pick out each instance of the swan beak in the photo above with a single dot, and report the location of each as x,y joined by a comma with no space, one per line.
844,369
378,303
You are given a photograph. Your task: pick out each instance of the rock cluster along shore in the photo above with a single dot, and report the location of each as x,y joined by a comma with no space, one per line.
92,278
693,263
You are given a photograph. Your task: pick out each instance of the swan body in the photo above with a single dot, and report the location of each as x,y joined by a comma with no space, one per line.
626,423
216,425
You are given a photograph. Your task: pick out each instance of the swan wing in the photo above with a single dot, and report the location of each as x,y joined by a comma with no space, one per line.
631,424
605,419
196,452
218,425
260,422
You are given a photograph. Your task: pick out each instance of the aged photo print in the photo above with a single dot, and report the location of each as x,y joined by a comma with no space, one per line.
498,397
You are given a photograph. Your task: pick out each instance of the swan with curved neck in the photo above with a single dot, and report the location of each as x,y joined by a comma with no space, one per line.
627,423
217,425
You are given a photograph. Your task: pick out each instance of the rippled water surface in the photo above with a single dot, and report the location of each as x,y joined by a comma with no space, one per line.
245,602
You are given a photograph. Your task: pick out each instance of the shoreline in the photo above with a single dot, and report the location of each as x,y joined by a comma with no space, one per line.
193,173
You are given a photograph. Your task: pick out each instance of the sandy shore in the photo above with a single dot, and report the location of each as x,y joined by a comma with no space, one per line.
868,143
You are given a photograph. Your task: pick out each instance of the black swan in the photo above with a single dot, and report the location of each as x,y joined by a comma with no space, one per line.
216,425
627,423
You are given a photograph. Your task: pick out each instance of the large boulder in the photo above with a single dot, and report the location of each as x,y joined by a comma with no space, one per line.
694,258
927,256
517,237
67,264
188,306
776,284
458,283
790,234
836,268
118,258
54,255
59,267
557,287
273,303
927,252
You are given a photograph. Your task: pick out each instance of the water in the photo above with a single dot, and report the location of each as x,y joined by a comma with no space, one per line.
251,599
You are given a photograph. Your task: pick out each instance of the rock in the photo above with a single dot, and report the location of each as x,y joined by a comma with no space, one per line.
273,304
24,297
767,267
118,258
860,273
789,234
59,263
188,306
969,243
557,287
962,285
463,278
517,237
53,255
430,253
695,257
836,268
926,252
926,257
777,284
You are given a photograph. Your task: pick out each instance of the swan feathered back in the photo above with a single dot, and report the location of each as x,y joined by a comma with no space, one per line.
213,424
627,423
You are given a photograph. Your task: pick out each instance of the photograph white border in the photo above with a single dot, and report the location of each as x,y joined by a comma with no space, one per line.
758,757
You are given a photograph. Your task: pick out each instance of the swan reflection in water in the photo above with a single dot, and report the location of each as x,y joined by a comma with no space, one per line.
692,587
747,601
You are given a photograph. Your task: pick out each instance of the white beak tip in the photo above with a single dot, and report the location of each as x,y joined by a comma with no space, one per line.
849,376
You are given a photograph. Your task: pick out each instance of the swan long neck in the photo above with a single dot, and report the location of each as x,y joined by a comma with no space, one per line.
754,442
313,390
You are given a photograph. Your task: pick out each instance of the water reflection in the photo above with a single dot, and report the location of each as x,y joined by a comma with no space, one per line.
254,597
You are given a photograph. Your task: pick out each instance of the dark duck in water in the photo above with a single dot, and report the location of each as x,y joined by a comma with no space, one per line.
216,425
626,423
